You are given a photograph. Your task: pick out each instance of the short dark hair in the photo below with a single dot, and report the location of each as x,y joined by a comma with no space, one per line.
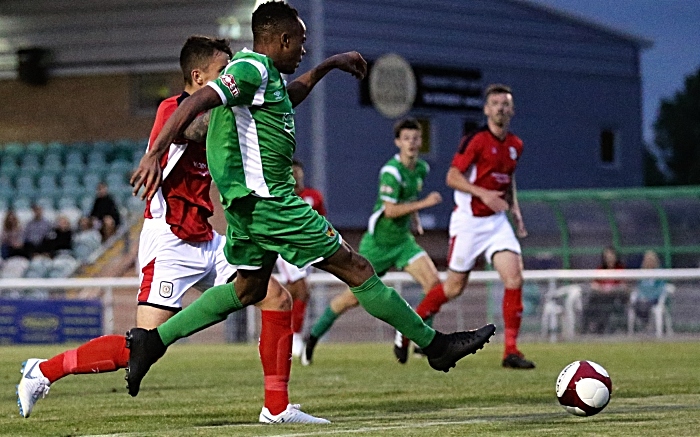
197,53
272,18
497,88
297,163
406,123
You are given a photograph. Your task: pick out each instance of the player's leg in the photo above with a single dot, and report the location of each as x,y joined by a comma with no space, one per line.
509,267
294,279
384,303
337,307
275,349
421,267
163,283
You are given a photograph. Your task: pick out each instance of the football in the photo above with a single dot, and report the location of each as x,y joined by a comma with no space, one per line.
584,388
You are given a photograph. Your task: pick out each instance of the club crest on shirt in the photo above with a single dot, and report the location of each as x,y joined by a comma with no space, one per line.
329,231
166,289
513,153
230,83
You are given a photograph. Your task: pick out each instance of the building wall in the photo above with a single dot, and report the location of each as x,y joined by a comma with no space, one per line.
570,80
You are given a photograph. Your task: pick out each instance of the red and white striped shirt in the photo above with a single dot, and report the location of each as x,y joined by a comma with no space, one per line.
487,162
183,200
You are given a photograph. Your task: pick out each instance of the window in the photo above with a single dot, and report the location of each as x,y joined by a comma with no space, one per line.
425,135
608,154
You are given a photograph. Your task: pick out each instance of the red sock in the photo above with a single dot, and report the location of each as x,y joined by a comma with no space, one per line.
298,313
102,354
432,302
276,356
512,316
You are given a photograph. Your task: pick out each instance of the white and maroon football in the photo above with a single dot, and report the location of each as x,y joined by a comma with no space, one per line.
584,388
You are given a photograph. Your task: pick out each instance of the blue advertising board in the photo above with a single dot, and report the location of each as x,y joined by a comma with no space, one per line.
49,321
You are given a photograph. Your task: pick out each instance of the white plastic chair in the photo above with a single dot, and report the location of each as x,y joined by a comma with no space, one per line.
659,312
561,306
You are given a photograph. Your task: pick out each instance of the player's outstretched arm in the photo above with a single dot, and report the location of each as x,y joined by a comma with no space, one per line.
351,62
394,210
197,130
149,174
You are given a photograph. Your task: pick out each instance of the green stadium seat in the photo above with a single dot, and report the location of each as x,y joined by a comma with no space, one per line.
56,147
13,149
36,148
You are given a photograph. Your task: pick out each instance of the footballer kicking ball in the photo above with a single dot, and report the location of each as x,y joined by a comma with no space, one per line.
584,388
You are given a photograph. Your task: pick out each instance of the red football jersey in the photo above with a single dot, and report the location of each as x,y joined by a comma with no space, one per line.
183,199
314,198
487,162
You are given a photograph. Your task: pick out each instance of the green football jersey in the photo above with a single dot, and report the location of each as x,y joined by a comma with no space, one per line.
397,184
251,141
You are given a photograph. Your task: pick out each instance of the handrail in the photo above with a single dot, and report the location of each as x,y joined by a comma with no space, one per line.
327,278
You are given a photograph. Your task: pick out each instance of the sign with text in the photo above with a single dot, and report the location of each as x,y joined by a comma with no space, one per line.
49,321
455,89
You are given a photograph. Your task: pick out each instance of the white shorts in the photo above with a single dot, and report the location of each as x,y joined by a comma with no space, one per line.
472,236
289,272
169,266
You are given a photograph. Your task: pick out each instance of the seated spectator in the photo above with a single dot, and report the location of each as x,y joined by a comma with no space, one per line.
86,240
109,228
608,297
60,238
35,233
105,206
648,290
12,236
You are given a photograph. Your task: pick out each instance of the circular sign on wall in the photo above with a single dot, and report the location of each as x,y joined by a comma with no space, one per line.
392,85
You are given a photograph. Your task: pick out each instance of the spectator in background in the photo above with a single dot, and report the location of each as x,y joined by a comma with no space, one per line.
109,228
61,237
87,239
105,206
12,236
649,290
35,233
608,296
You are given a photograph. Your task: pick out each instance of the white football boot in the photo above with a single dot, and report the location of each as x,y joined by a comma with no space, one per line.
292,414
297,345
32,386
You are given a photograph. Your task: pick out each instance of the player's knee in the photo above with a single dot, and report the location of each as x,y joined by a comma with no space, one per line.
513,281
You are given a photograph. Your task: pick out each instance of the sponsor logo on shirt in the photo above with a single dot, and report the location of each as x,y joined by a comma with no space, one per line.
230,83
501,178
386,189
513,153
166,289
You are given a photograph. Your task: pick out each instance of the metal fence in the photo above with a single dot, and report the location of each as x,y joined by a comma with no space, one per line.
554,300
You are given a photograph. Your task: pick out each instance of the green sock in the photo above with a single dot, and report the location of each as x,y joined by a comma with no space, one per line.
212,307
385,304
324,323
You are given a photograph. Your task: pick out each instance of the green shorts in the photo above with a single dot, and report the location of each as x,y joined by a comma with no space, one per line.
385,256
260,228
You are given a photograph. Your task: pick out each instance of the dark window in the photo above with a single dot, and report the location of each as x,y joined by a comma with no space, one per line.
607,146
425,135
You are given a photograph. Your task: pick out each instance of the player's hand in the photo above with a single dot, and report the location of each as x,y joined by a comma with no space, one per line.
148,175
351,62
494,200
432,199
520,230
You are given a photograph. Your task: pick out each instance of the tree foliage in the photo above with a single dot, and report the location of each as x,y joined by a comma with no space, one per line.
677,130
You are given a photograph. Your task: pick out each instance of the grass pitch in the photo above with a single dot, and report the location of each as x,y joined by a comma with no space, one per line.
216,390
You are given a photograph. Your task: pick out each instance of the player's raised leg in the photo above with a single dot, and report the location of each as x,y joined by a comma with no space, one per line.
508,264
384,303
423,270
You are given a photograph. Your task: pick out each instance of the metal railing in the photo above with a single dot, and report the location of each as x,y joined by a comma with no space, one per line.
323,283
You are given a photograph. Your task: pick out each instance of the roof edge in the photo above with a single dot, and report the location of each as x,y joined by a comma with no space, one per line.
639,41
